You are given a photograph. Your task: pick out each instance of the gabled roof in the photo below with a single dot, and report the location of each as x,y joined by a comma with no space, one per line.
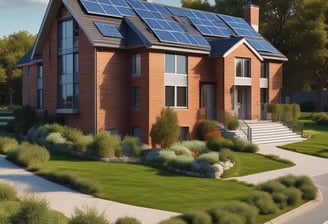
28,60
193,30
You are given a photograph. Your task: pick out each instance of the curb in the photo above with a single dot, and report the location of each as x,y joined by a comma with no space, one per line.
297,211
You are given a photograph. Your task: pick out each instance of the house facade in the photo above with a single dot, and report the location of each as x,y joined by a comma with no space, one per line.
114,65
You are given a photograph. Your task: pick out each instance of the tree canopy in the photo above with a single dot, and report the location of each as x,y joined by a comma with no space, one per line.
12,48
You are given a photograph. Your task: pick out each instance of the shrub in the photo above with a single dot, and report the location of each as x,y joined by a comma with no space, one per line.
174,220
238,144
294,196
152,155
231,122
54,127
7,209
218,143
288,180
209,158
245,211
106,145
166,130
88,216
7,193
307,106
197,217
221,216
296,111
127,220
82,143
252,148
55,139
307,187
33,210
131,146
320,118
200,166
196,146
7,144
165,156
181,150
213,133
72,134
74,181
206,126
226,154
275,110
181,162
263,201
29,155
24,119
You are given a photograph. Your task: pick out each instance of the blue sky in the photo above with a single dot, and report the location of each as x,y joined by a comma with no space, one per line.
16,15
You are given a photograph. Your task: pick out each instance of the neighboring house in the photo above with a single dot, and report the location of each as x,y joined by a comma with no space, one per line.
115,64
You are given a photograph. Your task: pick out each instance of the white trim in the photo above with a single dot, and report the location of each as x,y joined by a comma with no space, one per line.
180,50
243,41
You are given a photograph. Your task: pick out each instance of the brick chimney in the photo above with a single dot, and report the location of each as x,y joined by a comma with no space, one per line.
252,15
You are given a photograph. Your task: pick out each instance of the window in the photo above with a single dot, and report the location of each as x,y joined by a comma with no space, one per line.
136,96
175,64
40,87
264,70
136,65
243,67
68,66
184,134
136,132
176,81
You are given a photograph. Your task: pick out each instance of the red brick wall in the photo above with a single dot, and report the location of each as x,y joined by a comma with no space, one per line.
275,81
29,88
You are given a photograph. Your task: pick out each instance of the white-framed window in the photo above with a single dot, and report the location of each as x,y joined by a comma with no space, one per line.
136,65
243,67
136,96
176,81
264,70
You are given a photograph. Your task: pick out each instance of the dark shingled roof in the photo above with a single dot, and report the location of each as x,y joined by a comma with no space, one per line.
221,46
27,59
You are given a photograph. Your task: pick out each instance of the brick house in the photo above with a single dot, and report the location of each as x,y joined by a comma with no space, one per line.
115,64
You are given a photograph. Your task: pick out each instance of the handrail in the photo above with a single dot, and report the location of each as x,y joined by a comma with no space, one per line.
248,132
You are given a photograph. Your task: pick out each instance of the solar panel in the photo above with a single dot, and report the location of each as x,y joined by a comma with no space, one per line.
262,45
116,8
206,23
108,30
239,26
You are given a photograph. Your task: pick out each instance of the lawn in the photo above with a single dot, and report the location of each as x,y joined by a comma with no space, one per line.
155,188
317,144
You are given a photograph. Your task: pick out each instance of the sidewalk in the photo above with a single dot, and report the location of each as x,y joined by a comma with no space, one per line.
66,200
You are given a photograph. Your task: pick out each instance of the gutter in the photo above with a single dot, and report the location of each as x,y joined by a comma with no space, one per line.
95,93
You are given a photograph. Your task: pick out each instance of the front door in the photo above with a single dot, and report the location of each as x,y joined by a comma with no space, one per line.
208,100
264,103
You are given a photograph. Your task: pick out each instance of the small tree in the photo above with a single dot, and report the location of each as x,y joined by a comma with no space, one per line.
166,130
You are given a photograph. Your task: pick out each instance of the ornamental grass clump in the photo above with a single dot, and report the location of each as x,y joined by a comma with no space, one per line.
88,215
218,143
55,140
7,144
131,146
251,148
197,217
106,145
165,156
181,162
209,158
263,201
7,193
174,220
227,155
196,147
180,150
127,220
29,155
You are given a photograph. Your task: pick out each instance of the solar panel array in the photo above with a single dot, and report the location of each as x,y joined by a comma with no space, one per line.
240,26
262,45
208,24
167,30
116,8
108,30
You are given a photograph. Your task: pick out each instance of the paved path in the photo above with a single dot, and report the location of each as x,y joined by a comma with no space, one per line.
65,200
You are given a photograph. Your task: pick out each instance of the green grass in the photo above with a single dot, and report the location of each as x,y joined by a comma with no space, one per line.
155,188
250,163
317,144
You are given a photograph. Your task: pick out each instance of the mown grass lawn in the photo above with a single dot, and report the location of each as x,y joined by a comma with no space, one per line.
156,188
317,144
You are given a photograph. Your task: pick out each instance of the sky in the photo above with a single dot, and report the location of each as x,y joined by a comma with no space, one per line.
17,15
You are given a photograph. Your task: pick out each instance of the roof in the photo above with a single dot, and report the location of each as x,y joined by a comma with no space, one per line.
27,59
156,26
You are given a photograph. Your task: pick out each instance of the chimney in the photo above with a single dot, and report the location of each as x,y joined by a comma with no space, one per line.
252,15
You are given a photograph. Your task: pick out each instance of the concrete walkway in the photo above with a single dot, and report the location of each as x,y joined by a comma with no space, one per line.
65,200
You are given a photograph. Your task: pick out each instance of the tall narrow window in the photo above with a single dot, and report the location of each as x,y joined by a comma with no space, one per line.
68,67
176,81
135,97
40,87
136,65
243,67
264,70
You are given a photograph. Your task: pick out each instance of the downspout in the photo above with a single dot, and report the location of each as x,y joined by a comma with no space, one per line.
95,93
